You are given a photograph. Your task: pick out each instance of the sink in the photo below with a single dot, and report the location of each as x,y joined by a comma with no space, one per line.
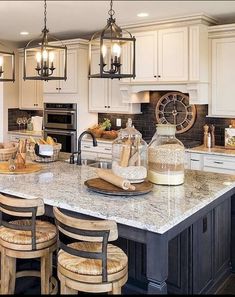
88,162
101,164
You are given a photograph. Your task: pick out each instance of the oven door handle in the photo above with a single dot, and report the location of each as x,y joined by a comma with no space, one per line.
60,132
59,111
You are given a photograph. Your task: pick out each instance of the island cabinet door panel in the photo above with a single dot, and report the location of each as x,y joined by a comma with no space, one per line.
179,264
202,254
222,219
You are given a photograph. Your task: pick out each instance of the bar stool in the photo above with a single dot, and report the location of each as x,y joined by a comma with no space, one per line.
89,263
26,238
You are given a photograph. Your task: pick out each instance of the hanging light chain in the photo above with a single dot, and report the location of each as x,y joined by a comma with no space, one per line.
111,11
45,14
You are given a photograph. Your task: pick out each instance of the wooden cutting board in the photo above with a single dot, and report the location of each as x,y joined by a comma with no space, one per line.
30,168
101,186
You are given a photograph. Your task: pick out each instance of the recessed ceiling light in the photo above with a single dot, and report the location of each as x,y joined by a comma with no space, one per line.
142,14
24,33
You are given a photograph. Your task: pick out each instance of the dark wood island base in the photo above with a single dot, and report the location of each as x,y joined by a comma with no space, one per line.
194,257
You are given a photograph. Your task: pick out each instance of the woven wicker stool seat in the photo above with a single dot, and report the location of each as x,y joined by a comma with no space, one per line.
116,259
89,264
26,238
45,232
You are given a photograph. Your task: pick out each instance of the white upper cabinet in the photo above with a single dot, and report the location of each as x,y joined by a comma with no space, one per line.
30,91
173,54
146,56
115,98
69,86
162,55
98,87
223,86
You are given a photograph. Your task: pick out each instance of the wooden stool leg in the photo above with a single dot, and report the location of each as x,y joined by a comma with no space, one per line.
12,269
5,275
117,290
65,290
45,273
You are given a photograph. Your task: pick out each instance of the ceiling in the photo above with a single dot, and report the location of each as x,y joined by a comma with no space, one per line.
71,19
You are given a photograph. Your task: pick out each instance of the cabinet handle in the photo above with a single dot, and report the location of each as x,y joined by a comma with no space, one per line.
204,224
217,162
107,149
194,160
86,146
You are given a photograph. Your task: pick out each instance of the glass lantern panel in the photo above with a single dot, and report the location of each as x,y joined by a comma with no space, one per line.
6,65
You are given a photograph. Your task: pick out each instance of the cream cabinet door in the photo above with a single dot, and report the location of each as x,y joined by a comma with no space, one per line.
70,86
223,87
115,103
52,86
31,95
173,54
146,56
98,88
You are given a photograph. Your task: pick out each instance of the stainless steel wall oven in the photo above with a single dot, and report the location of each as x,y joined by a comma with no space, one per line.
60,122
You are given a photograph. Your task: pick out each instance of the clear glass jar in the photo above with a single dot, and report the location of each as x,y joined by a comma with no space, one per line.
166,156
129,154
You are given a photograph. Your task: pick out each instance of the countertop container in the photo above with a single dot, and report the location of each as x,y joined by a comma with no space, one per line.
166,157
129,155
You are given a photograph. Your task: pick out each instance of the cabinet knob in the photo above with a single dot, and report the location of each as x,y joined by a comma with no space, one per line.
159,76
155,76
105,106
108,106
57,88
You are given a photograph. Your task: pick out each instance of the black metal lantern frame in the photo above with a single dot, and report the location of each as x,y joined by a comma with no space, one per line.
3,56
44,51
112,39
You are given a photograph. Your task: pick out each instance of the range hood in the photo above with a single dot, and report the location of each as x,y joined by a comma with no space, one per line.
138,92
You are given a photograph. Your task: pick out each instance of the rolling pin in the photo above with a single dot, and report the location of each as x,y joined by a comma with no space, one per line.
112,178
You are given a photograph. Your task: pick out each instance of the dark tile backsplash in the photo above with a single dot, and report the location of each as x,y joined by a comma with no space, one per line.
14,113
146,122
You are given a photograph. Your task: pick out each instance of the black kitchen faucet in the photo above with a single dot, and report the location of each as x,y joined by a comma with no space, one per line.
79,159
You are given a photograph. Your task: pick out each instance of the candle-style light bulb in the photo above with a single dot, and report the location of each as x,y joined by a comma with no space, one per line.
38,58
1,65
104,50
116,49
51,57
44,55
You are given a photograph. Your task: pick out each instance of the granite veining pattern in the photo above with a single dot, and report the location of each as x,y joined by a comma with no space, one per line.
217,150
61,184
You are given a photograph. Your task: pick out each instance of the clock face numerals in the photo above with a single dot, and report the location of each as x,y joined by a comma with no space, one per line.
174,108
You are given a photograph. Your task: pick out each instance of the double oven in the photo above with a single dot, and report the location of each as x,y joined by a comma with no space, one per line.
60,122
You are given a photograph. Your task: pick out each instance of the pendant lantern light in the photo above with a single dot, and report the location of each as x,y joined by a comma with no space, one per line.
112,51
41,56
7,65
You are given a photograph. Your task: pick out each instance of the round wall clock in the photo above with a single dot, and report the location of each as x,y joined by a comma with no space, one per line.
174,108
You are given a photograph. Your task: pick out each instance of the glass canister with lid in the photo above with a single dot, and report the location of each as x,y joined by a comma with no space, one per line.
129,154
166,156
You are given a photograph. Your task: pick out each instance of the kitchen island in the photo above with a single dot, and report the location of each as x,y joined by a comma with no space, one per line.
177,238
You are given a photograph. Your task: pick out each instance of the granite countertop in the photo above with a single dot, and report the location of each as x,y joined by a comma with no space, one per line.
26,132
61,184
217,150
